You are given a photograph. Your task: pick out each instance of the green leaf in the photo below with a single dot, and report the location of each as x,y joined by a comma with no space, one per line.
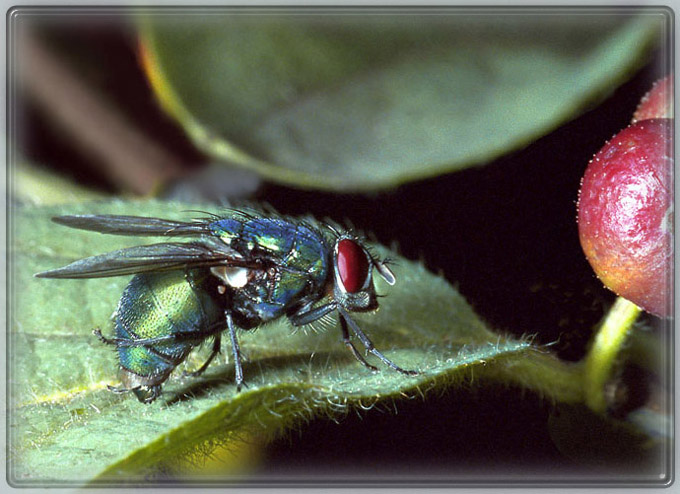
367,101
66,427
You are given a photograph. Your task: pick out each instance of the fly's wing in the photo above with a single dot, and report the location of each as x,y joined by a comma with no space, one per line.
155,257
133,225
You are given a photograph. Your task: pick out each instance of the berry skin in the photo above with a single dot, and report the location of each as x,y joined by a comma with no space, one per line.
625,214
658,102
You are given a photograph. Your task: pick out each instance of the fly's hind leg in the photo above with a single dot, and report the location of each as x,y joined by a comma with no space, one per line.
145,394
107,341
217,342
124,342
119,390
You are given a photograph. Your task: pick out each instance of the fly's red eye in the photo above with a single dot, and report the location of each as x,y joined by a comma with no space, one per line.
352,265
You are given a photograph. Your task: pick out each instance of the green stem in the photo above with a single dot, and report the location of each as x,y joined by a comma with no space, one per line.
607,345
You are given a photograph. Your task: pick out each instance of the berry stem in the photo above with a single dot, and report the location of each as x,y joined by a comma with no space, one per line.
606,346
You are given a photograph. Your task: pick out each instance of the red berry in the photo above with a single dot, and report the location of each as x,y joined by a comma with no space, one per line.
625,214
658,102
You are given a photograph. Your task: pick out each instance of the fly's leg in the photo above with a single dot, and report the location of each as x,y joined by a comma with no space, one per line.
120,390
352,348
148,393
236,351
302,318
107,341
145,394
369,344
197,336
305,316
127,342
215,350
309,316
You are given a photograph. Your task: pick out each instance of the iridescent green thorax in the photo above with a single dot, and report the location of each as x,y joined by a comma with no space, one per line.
299,252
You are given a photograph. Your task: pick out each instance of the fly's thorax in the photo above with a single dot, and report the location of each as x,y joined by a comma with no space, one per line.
353,275
237,279
288,262
262,294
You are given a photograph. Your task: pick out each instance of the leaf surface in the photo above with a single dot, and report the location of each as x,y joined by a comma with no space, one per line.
66,427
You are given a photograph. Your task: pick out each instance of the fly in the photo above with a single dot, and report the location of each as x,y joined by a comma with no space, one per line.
240,270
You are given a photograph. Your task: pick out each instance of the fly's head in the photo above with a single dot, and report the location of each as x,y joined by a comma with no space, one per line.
353,274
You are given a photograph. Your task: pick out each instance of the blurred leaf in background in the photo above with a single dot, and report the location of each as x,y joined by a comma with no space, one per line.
366,100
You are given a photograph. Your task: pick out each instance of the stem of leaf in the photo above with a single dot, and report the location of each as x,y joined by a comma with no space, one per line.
606,346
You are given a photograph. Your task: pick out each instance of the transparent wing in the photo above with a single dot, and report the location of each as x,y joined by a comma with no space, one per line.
155,257
133,225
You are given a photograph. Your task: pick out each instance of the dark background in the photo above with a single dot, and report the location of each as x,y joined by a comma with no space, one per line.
504,234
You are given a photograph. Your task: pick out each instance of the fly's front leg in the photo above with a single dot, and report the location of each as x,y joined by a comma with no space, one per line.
352,348
306,315
369,344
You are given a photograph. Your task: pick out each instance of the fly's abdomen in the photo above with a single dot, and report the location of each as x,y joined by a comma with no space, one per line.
176,310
